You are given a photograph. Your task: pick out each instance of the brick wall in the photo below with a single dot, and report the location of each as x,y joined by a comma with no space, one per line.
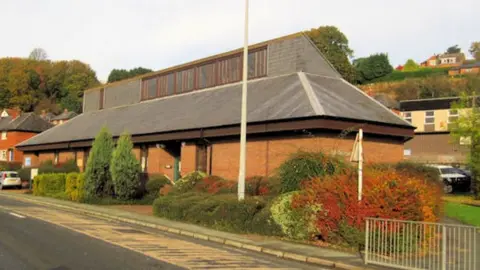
436,148
265,155
159,160
14,138
65,156
44,156
188,158
81,160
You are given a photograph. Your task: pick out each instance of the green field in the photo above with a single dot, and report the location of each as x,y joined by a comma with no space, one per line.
464,213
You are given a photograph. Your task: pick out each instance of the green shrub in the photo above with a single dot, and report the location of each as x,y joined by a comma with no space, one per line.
67,167
188,182
264,224
10,166
25,174
221,212
71,185
303,166
125,169
155,183
293,222
79,194
98,181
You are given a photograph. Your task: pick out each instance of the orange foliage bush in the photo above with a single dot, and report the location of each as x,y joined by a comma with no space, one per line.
386,194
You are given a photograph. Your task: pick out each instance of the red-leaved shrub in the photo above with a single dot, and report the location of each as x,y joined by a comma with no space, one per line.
386,194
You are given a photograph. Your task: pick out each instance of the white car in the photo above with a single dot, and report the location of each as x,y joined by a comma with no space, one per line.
10,179
451,177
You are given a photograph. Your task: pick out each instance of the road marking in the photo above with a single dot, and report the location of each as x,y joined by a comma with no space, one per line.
16,215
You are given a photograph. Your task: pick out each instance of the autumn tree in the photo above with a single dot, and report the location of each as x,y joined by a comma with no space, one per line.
453,49
38,54
372,67
475,50
122,74
410,65
334,46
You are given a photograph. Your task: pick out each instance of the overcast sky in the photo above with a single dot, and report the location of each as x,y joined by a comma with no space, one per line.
157,34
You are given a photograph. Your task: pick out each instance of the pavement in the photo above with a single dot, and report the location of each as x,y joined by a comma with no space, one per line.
34,235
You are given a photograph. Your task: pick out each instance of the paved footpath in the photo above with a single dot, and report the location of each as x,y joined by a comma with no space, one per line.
34,236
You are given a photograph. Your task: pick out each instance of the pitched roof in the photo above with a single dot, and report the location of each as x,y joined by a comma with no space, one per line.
64,116
447,55
286,97
24,122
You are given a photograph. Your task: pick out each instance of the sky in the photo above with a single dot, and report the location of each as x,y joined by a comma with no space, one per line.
158,34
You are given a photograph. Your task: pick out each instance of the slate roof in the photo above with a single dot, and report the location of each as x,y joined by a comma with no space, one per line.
24,122
285,97
469,65
64,116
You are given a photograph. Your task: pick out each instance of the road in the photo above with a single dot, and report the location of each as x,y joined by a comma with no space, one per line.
37,237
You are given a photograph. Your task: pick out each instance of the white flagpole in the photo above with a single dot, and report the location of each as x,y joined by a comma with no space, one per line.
360,164
243,125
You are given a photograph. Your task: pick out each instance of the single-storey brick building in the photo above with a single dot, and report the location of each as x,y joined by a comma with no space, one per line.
187,117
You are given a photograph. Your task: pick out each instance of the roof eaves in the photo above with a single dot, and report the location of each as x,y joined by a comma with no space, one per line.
205,59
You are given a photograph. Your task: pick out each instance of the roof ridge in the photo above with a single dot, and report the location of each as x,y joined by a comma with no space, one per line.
314,102
23,120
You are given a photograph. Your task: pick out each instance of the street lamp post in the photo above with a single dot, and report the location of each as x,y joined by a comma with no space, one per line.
243,125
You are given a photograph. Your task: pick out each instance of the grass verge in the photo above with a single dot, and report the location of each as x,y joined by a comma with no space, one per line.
465,213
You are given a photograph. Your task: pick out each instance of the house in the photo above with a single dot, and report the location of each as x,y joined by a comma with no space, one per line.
16,127
187,117
444,60
470,68
430,62
433,119
63,117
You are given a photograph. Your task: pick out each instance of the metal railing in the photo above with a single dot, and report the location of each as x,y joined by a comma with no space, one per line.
420,245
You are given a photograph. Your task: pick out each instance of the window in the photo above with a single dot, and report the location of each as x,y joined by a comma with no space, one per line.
151,85
3,155
467,70
10,155
452,116
102,95
229,70
407,152
407,116
206,76
257,64
465,140
185,80
4,135
429,117
28,162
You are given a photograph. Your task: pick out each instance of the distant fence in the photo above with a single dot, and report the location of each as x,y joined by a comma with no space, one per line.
420,245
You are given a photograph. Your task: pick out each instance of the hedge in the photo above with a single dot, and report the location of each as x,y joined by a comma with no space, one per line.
10,166
402,75
51,185
221,212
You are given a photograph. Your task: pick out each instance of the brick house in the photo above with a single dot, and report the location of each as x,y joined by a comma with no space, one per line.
432,142
16,127
444,60
186,117
471,68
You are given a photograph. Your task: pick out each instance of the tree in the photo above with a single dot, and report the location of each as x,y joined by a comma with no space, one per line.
453,49
410,65
475,50
98,181
372,67
125,169
38,54
122,74
334,46
467,127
